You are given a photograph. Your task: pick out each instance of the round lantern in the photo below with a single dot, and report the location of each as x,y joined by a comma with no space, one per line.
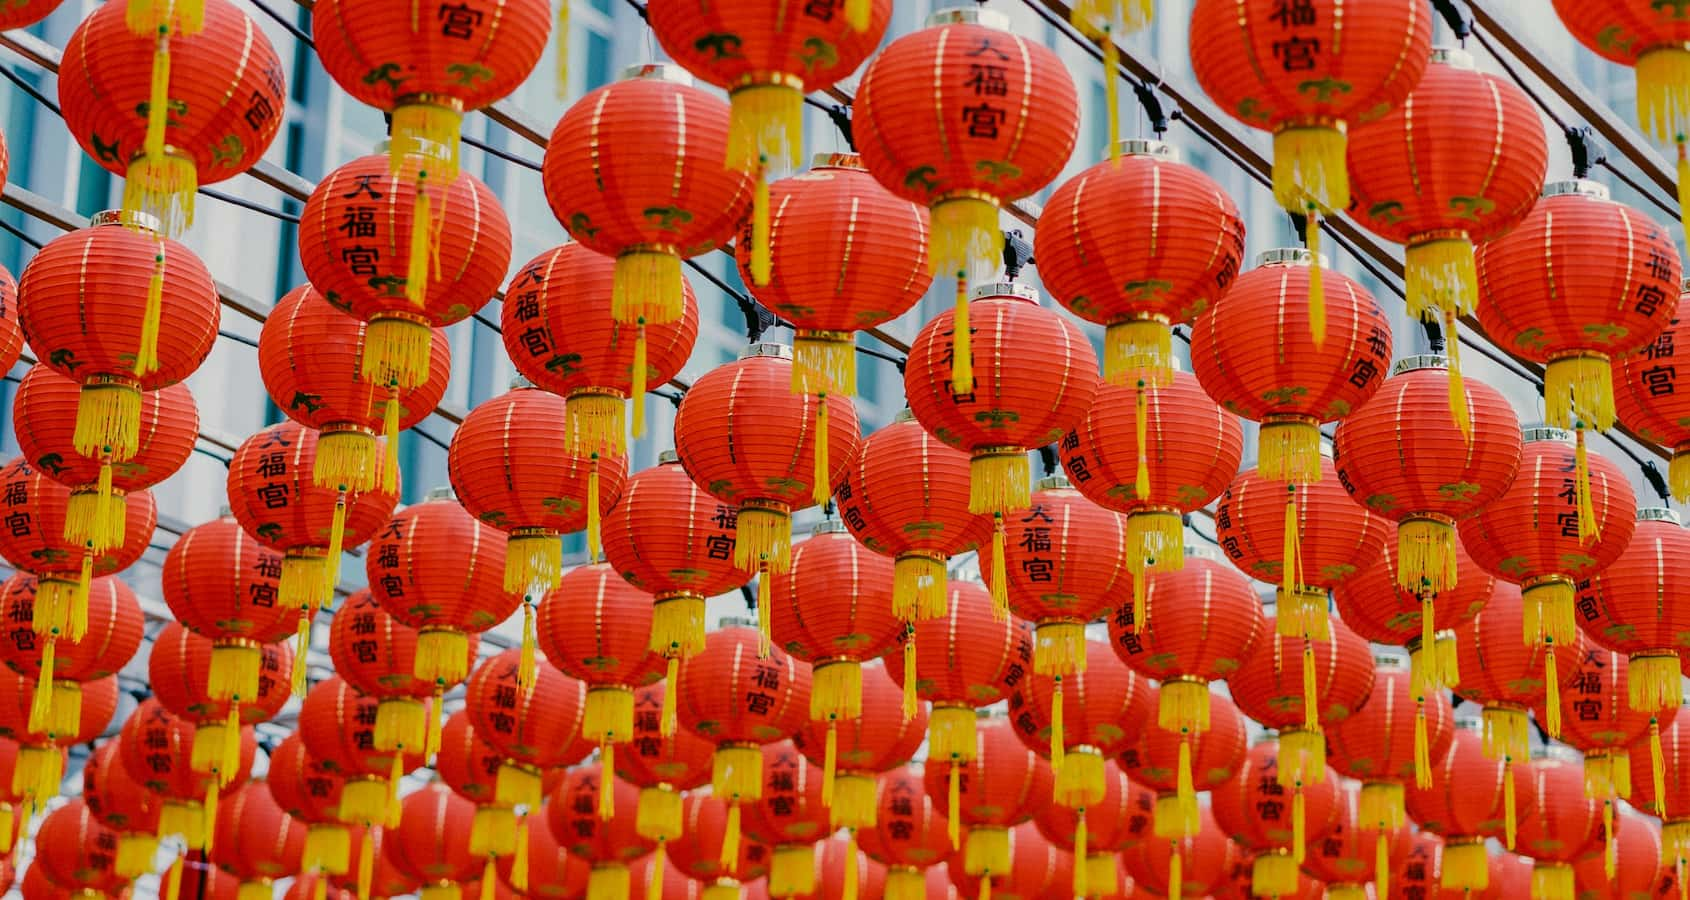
595,627
439,570
509,472
1464,805
998,127
1187,867
1253,810
1254,353
1098,833
788,456
612,843
1631,867
1647,402
159,750
1566,520
842,255
791,816
44,420
28,13
179,670
1582,280
11,330
309,791
560,333
553,872
1139,243
137,341
428,845
1558,823
310,355
1307,74
171,101
537,727
1429,187
1158,760
257,840
376,654
1041,380
855,751
661,766
1187,645
337,725
1398,457
674,541
1635,606
1670,800
1000,788
697,853
448,268
77,852
1343,858
470,767
635,170
1156,455
274,497
909,833
122,804
60,666
1036,868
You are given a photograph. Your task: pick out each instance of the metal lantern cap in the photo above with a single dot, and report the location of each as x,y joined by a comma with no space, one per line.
1390,658
1452,56
1581,186
968,15
1546,433
904,415
738,622
442,492
1005,289
828,526
135,219
1419,362
766,348
658,72
1289,256
668,457
1150,147
1658,514
1212,554
837,161
1052,483
518,382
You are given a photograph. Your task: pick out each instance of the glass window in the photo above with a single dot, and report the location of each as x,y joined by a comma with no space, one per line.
93,187
597,73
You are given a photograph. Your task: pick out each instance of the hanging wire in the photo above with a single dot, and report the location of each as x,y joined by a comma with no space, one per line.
19,233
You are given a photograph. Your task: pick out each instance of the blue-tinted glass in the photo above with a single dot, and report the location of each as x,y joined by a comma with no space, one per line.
598,61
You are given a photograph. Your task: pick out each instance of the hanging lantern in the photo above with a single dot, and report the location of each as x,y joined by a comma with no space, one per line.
661,766
537,728
277,502
1139,243
1191,644
11,330
965,116
1307,76
1302,687
1254,811
836,639
1390,741
791,816
76,852
1156,760
309,792
208,882
844,873
1635,869
158,751
1669,799
43,418
311,358
1555,291
1001,787
1106,826
1463,805
64,571
257,842
470,767
27,13
337,725
906,496
1041,380
909,834
1188,867
187,96
120,309
1558,822
553,872
122,804
1418,177
966,661
1635,608
431,277
35,885
1035,867
387,878
634,170
697,853
610,843
674,541
39,763
843,255
59,666
595,627
439,570
429,843
1346,859
179,670
376,654
1570,518
560,333
1647,404
1376,607
1508,678
769,469
1190,451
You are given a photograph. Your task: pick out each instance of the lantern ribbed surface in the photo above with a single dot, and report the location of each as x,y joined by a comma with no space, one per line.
1216,754
1118,821
970,658
119,801
730,695
114,631
1377,742
44,420
1254,809
221,582
468,764
1106,706
594,626
1376,607
1346,855
1466,796
880,739
11,330
540,727
1192,448
1647,401
1202,861
1558,823
1639,868
376,653
1037,868
768,41
307,788
179,670
1065,564
573,815
434,566
1204,620
28,13
1002,786
835,603
76,850
158,750
429,843
276,501
1639,605
256,839
680,760
1496,666
1336,538
697,851
36,544
790,810
1268,687
909,828
337,725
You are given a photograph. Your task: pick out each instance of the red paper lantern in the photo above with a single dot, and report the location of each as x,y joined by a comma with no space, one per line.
1041,379
122,804
11,330
1190,451
158,749
376,654
537,728
769,468
337,725
1346,859
1157,760
311,358
215,79
1002,786
28,13
76,852
553,872
610,843
561,334
309,791
674,541
1433,189
1654,413
1636,868
1465,805
1379,609
697,853
257,841
439,570
1254,810
661,766
1274,687
1307,78
1253,351
1558,822
791,816
909,836
1097,834
1670,800
1633,606
853,752
1139,243
59,666
635,170
428,845
962,145
1581,281
386,877
221,583
1037,868
467,763
1190,867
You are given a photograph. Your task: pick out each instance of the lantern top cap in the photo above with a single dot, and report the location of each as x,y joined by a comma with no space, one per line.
828,526
519,382
1212,554
1452,56
1389,658
668,458
1470,723
225,511
443,492
1150,147
138,220
1583,187
1289,256
1052,483
1556,753
968,15
904,415
655,71
1658,514
1546,433
766,348
738,622
838,161
1013,289
1420,362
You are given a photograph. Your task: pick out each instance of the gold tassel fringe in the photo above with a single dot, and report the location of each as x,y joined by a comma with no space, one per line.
1466,865
518,785
1439,275
1000,481
400,723
108,420
646,285
792,872
327,848
1139,350
1080,781
764,539
1309,170
987,851
919,584
1274,875
1289,450
442,656
824,361
135,854
397,350
96,518
533,561
1654,682
1553,881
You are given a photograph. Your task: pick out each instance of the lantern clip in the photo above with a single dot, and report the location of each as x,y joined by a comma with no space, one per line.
1587,151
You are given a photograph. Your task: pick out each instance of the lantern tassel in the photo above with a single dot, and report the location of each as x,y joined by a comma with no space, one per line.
108,419
1185,788
852,863
1466,865
1588,529
1552,691
659,861
1654,683
821,477
1657,765
208,831
1509,819
730,840
1553,881
1440,278
366,864
986,850
858,14
419,257
962,341
953,806
919,583
1425,675
395,772
135,854
158,181
646,287
1291,563
146,357
1299,827
1141,434
672,678
519,856
1057,744
607,779
1422,749
337,538
765,628
98,519
1579,388
1000,574
560,50
9,831
1458,407
397,352
911,707
173,879
229,765
641,385
442,656
761,253
1111,99
301,647
1082,841
1139,348
526,669
1317,295
41,704
76,619
1683,184
489,878
1302,756
1176,872
1311,698
764,539
518,785
1309,172
1183,706
1382,864
390,450
830,762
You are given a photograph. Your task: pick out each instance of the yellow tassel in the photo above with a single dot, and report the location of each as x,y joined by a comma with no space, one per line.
1422,751
1317,295
1185,788
108,419
158,96
1081,782
987,850
764,538
765,636
417,261
442,656
646,286
853,801
146,356
107,522
858,14
1291,557
349,459
41,704
1309,170
162,186
135,854
962,341
492,832
1466,865
320,889
1289,450
761,252
390,449
1382,865
658,815
1458,407
1274,874
173,879
1505,733
1081,843
519,857
301,649
1176,872
642,374
671,683
1683,184
607,780
1299,820
1311,698
9,830
852,863
1141,588
824,360
999,480
1302,756
229,766
1588,529
366,863
821,475
235,669
1653,682
489,879
526,668
1550,612
560,49
659,861
1141,434
1579,388
730,840
337,536
1552,691
966,236
1139,349
1057,745
1183,706
792,872
395,772
765,129
737,773
1440,279
209,829
1000,574
595,419
1424,675
1657,765
76,626
1175,817
911,707
953,806
518,785
677,626
1553,881
326,848
1509,820
397,351
830,762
